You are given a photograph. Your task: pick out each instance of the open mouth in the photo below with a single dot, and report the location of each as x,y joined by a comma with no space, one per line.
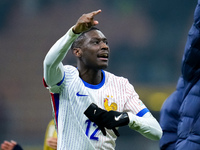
103,56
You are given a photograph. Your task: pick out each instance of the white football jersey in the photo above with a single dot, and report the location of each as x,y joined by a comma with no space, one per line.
72,96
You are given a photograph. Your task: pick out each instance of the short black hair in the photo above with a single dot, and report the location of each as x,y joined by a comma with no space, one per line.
77,43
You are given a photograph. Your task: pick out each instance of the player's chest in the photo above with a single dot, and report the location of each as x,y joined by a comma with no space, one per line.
108,99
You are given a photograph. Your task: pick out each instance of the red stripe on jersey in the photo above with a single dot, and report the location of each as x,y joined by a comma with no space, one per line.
44,83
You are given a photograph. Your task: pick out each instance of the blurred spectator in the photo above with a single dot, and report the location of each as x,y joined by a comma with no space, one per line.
50,141
12,145
180,113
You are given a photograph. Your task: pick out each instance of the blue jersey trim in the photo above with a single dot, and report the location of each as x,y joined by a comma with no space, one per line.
55,101
58,84
98,86
142,112
56,97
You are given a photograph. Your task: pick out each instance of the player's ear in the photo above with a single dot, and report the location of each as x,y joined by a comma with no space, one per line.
77,52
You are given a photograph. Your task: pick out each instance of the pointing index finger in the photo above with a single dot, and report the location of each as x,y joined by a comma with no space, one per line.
96,12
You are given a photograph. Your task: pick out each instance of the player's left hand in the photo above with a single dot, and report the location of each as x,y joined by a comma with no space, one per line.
108,119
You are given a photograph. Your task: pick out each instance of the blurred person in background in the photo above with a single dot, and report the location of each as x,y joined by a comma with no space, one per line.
50,140
88,102
10,145
180,113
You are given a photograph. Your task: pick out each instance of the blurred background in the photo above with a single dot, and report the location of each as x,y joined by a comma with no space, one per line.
146,38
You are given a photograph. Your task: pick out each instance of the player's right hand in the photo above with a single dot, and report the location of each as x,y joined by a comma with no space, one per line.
85,22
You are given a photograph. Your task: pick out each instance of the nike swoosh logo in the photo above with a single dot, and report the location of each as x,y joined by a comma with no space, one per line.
78,94
118,117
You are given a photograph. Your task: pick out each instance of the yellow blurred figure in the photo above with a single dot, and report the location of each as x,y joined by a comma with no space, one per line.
50,141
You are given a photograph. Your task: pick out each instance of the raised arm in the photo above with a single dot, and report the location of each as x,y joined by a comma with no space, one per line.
53,67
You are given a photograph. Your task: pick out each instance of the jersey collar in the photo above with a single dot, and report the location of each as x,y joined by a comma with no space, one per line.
98,86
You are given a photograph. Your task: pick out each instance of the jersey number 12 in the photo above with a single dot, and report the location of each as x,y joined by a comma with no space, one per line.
92,136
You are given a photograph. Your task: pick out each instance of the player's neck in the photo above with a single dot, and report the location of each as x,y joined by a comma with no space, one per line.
91,76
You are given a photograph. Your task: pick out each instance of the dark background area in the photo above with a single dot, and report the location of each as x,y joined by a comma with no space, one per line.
146,38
